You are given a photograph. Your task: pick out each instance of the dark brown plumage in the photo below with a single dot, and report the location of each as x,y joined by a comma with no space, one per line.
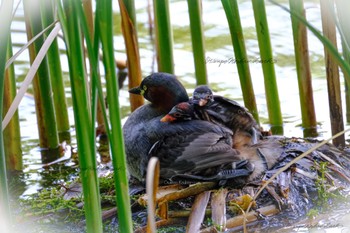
186,148
262,155
226,112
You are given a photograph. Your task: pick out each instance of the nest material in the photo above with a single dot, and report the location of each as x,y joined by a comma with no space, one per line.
291,194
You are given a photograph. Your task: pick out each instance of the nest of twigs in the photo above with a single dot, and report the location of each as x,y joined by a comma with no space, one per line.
310,174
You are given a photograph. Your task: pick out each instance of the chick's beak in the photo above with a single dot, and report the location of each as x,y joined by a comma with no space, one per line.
135,90
168,118
202,102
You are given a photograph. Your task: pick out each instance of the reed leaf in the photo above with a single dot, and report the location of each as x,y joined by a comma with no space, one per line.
234,22
12,135
5,18
129,6
267,62
82,116
164,36
301,52
132,51
325,41
46,119
104,11
195,14
23,48
55,69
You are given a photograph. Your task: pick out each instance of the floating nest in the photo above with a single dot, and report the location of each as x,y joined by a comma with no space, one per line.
309,175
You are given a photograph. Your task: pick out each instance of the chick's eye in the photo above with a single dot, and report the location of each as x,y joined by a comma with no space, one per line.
177,115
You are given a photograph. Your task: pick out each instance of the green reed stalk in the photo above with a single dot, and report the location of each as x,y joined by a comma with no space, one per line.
301,52
104,11
55,69
107,43
234,22
196,25
82,115
271,90
333,80
132,50
12,135
88,12
41,84
5,18
164,36
92,47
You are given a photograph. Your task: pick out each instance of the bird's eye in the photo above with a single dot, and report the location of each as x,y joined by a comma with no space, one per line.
143,90
177,115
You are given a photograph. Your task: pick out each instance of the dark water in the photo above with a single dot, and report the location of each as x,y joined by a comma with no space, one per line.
222,75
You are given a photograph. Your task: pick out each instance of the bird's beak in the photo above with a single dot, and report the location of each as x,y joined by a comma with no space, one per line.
168,118
135,90
202,102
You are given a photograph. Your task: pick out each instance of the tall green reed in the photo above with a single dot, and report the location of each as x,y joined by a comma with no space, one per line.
234,22
102,33
164,36
301,52
89,15
267,62
84,123
12,135
56,77
41,84
104,11
195,14
5,17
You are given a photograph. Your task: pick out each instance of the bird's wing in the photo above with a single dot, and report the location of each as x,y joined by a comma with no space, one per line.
230,111
193,153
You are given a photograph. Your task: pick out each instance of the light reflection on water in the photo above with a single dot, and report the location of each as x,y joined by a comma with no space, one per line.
222,78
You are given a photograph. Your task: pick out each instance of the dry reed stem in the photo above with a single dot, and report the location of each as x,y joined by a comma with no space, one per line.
198,212
152,181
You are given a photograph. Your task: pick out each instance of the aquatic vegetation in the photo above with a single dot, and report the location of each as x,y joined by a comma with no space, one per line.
49,205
